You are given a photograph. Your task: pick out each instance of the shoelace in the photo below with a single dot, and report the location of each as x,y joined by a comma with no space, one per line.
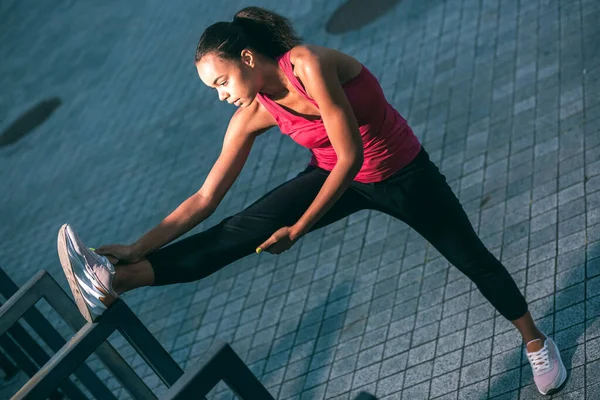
539,360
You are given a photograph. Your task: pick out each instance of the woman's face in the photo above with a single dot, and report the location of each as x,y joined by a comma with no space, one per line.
236,81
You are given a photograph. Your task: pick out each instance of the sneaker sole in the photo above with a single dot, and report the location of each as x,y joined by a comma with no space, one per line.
63,255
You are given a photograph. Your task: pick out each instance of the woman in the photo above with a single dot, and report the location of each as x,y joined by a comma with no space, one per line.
364,156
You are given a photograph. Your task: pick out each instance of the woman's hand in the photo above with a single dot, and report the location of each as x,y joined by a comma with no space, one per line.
121,253
280,241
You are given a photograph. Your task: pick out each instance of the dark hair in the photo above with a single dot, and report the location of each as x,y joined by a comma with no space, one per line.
255,28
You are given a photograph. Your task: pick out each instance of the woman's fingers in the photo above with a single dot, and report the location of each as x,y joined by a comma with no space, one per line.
266,244
274,246
103,250
277,243
113,260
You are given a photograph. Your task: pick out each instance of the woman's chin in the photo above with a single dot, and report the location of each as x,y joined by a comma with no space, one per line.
245,103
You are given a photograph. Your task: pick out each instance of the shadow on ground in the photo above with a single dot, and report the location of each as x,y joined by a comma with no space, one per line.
354,14
29,121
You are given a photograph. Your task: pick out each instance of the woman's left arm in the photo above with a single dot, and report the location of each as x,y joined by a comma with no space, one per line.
318,73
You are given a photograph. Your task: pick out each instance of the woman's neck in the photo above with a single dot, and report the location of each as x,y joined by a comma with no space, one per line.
276,84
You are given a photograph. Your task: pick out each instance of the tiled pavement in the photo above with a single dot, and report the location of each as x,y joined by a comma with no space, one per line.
503,94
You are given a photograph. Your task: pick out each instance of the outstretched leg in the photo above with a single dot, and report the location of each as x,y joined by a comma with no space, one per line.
420,196
235,237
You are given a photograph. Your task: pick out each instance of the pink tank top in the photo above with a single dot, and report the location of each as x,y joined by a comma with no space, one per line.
389,143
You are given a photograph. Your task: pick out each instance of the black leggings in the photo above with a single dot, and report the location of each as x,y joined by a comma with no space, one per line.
418,194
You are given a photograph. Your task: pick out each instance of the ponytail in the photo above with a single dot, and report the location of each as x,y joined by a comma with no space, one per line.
263,31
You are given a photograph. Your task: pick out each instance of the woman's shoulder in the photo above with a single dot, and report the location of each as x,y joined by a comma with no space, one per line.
309,55
305,51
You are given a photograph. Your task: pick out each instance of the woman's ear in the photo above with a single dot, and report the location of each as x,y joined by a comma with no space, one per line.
248,58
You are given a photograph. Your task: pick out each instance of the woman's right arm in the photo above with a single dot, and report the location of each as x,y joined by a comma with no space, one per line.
245,125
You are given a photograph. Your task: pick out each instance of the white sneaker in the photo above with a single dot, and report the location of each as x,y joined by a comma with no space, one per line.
549,372
89,274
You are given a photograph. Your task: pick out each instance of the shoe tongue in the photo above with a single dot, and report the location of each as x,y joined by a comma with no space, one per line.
538,342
